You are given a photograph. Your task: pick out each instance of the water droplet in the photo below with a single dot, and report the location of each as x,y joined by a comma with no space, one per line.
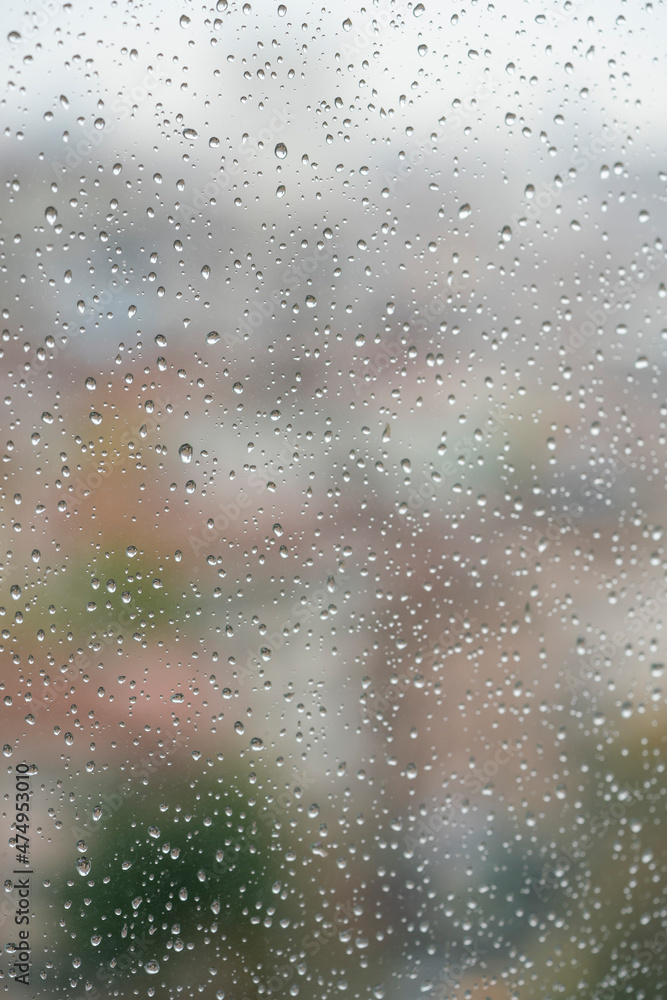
152,966
154,832
99,123
83,866
464,211
206,273
51,215
238,388
184,21
95,418
91,383
186,452
281,150
189,133
178,698
239,728
419,10
7,750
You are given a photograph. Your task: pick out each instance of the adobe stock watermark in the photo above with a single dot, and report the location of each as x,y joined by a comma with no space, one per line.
581,161
32,23
220,180
465,447
602,654
450,979
554,873
462,111
229,511
265,305
84,487
101,299
303,612
387,354
594,323
94,136
475,782
309,946
356,40
646,956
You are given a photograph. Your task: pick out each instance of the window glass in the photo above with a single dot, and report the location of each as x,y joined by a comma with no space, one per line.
333,564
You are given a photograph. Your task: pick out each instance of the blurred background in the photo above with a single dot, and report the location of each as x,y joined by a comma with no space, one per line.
333,574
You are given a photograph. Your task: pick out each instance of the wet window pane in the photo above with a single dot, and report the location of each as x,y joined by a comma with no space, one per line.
333,567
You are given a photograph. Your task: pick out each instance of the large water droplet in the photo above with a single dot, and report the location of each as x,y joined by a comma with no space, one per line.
185,452
281,150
